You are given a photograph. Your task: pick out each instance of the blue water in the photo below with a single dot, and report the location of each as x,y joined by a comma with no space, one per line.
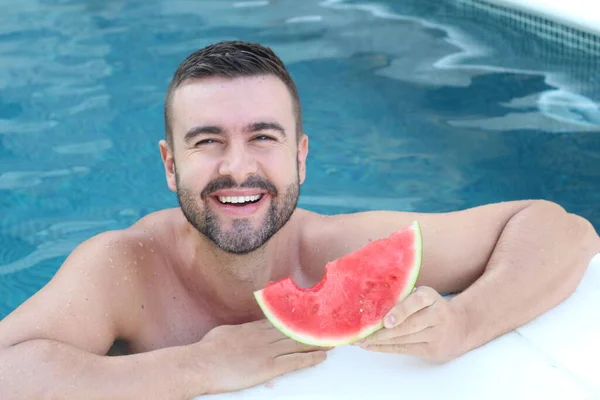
410,105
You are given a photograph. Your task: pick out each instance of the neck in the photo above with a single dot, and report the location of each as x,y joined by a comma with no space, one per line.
252,271
227,281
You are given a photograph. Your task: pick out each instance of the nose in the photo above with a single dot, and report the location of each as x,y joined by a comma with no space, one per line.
237,163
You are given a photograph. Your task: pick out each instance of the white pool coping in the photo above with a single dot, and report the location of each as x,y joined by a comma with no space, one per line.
580,14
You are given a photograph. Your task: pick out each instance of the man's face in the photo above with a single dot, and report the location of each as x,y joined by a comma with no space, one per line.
238,165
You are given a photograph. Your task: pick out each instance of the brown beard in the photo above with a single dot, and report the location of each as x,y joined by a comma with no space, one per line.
241,238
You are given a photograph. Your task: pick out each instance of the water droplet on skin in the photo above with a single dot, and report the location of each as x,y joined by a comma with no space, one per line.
152,239
152,250
135,263
141,244
293,309
110,260
361,310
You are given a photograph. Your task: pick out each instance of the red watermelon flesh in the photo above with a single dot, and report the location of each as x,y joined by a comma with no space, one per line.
353,296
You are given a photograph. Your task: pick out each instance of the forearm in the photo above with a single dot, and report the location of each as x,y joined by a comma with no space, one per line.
538,261
43,369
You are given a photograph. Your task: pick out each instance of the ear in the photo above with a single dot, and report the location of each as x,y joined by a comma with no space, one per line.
169,162
302,154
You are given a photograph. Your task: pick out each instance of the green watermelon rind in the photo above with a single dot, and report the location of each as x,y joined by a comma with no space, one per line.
367,330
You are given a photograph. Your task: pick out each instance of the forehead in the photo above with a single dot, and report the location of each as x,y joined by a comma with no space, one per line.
231,103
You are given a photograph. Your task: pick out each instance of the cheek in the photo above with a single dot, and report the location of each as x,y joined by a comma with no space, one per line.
191,176
280,168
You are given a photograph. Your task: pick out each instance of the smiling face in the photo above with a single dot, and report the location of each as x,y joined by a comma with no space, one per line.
236,162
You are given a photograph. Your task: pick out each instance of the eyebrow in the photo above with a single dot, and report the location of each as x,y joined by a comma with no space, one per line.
265,126
216,130
202,130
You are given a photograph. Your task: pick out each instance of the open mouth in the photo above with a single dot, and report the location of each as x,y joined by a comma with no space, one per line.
239,201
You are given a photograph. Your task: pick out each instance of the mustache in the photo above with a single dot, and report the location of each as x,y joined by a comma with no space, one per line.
226,182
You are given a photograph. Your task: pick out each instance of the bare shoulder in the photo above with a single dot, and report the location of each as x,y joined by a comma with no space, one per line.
356,229
456,245
90,300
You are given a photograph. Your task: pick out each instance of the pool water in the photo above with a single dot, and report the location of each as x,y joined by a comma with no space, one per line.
414,105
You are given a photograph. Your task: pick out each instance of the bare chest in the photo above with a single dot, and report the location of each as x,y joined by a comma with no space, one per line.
171,321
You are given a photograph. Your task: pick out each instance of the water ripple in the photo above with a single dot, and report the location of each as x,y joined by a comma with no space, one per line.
45,251
25,179
95,146
256,3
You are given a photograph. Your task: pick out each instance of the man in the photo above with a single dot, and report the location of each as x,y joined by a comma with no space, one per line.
176,287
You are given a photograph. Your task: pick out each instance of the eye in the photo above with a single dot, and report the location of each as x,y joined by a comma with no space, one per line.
262,138
206,142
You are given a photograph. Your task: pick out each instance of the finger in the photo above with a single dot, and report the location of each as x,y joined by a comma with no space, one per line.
262,324
271,336
411,349
289,346
421,298
291,362
417,322
259,324
424,336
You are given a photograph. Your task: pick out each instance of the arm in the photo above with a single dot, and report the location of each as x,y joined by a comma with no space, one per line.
46,369
54,345
537,262
511,261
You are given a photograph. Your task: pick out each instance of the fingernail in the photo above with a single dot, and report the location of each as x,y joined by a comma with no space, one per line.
389,321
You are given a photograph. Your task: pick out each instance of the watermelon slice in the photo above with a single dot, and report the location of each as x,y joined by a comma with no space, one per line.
353,296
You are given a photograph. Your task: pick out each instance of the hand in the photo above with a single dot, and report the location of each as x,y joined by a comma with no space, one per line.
424,325
236,357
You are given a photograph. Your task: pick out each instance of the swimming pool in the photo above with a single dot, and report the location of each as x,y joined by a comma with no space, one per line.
413,105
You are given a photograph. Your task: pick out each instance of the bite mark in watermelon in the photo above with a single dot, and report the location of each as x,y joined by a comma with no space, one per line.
353,296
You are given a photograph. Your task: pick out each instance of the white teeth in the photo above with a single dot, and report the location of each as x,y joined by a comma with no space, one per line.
238,199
